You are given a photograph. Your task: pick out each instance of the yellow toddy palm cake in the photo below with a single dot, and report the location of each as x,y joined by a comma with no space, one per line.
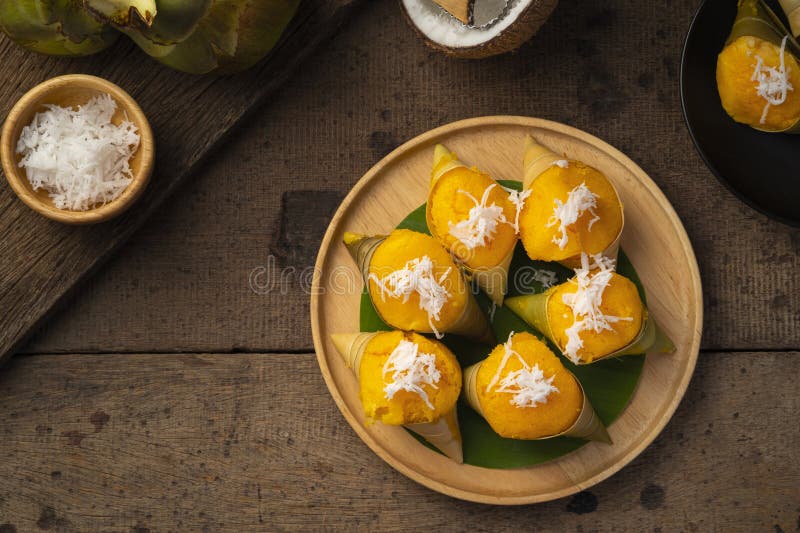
596,314
415,285
406,379
572,208
758,76
524,392
475,218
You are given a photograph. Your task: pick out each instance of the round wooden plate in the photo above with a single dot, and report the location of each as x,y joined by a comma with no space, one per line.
654,240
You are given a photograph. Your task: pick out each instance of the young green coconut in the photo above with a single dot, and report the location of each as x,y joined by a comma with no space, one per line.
60,27
200,36
194,36
476,29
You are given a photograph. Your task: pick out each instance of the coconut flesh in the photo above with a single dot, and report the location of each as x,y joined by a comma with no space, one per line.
495,26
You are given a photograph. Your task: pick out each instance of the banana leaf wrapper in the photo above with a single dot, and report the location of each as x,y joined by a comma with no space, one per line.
792,10
443,433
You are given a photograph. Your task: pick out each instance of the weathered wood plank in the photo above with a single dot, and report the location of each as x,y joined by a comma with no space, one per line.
221,442
182,284
41,260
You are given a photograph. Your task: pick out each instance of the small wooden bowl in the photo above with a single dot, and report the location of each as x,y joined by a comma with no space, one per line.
70,91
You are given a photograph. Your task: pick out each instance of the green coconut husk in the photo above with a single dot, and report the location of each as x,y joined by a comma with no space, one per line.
55,27
443,433
471,324
200,36
532,308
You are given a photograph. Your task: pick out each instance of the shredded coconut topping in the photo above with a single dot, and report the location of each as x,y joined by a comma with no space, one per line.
479,227
772,84
518,199
417,277
592,280
79,156
579,200
410,369
528,385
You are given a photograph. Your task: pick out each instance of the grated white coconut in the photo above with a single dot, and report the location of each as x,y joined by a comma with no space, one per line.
772,84
527,385
417,277
410,369
479,227
78,156
585,302
579,200
518,199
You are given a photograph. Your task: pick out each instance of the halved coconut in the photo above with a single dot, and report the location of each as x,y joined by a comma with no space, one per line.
476,28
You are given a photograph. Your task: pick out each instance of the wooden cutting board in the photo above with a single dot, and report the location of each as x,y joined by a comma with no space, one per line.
41,261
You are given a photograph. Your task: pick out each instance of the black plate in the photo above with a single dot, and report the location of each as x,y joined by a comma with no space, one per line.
763,169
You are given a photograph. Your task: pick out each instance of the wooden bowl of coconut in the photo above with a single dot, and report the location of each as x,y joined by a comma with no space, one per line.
77,149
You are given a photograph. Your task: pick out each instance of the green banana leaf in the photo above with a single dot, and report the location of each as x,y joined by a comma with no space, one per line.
609,383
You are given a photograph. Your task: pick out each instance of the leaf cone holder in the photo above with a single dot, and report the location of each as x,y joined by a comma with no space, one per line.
587,426
443,433
792,10
539,158
471,324
755,19
492,280
532,308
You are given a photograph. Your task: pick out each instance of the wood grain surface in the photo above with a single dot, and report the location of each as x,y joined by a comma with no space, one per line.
42,260
725,462
653,239
264,202
253,442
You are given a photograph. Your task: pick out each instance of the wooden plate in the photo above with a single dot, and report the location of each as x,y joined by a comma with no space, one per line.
653,238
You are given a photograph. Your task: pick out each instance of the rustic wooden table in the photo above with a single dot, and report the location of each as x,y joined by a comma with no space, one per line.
177,390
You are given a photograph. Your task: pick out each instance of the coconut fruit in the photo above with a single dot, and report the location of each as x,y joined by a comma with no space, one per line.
476,28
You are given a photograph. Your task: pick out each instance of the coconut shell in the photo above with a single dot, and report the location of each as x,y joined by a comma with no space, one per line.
587,426
515,35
